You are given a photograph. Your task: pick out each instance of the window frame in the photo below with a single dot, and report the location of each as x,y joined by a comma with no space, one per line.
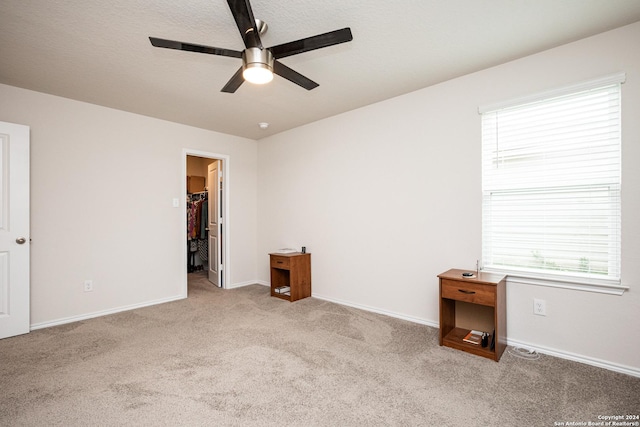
567,281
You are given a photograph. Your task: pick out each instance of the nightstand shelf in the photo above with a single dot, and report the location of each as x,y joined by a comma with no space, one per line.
454,340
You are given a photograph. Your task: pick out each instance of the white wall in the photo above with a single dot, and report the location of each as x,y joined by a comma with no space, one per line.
102,184
388,196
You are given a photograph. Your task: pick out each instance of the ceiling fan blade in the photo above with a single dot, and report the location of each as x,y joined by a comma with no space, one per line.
172,44
312,43
242,13
234,82
293,76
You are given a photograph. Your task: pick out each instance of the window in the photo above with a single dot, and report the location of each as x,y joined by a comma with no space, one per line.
551,185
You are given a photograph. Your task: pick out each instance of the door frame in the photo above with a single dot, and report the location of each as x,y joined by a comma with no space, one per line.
226,241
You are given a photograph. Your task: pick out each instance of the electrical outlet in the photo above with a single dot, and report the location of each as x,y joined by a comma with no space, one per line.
88,285
539,307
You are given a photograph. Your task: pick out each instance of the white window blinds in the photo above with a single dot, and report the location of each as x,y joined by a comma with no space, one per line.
551,186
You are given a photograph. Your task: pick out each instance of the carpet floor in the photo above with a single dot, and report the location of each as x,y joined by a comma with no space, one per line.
241,358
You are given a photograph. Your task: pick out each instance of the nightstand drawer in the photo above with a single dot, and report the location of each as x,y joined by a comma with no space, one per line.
469,292
281,262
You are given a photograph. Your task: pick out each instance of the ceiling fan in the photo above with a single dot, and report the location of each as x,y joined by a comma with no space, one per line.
259,63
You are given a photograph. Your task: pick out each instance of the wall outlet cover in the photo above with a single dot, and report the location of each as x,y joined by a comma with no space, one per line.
539,307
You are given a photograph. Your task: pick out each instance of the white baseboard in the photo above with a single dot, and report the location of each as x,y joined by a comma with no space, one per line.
628,370
379,311
72,319
95,314
242,284
635,372
86,316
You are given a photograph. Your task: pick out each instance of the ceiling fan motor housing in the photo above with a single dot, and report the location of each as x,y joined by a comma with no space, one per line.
256,57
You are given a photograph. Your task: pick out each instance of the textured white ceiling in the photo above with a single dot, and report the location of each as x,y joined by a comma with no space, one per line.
99,52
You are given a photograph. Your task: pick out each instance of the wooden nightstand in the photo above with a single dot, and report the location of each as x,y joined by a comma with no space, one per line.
484,289
293,270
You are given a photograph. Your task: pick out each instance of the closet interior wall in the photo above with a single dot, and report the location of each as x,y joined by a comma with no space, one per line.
196,204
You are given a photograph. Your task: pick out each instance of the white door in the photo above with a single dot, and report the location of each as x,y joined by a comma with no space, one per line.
215,223
14,229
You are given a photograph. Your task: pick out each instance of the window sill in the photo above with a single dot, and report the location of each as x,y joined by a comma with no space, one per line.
601,287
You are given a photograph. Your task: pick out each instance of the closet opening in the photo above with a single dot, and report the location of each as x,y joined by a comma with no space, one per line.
206,217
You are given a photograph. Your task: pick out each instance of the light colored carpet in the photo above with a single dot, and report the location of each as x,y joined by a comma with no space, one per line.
241,358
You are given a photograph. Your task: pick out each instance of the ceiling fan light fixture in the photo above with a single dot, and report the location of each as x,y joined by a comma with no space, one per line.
257,65
257,74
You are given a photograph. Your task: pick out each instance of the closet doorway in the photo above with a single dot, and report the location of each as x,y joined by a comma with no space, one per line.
206,216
